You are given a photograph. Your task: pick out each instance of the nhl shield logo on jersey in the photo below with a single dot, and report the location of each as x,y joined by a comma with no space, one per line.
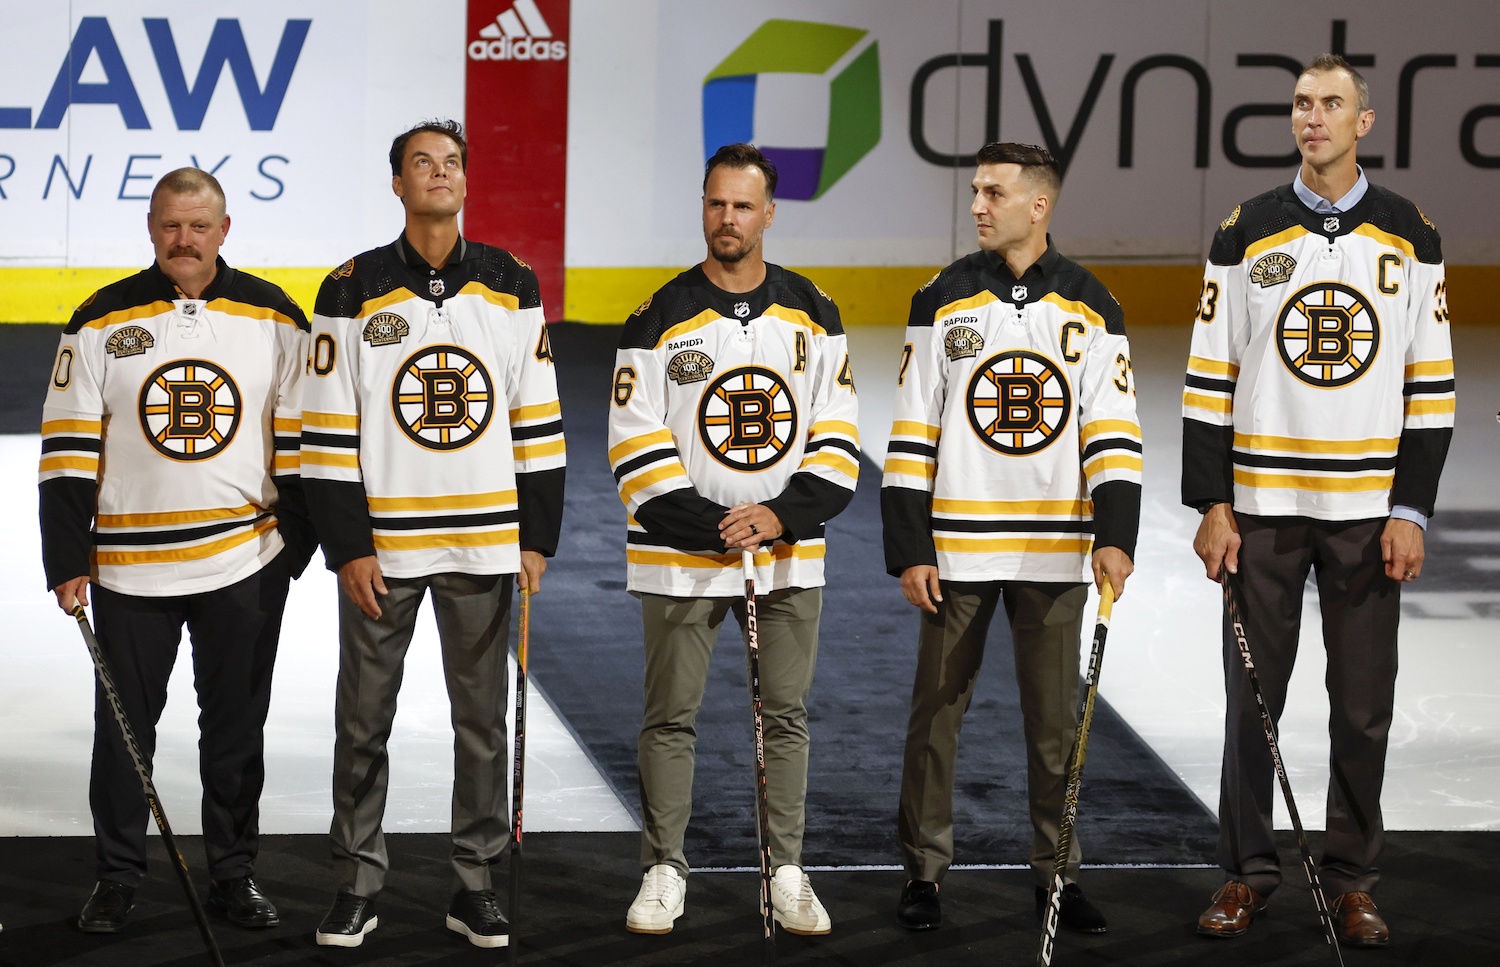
1019,401
689,366
747,419
443,397
961,342
1331,223
1018,293
189,409
128,341
742,309
1328,334
1272,269
385,329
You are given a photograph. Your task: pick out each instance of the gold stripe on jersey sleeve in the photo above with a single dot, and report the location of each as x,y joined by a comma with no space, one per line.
132,314
1429,407
1327,485
1403,246
836,459
1013,545
912,468
802,551
90,464
535,451
536,411
176,517
1120,461
625,448
1272,241
283,424
1073,307
1217,367
1434,367
842,427
196,552
794,316
634,485
1111,427
502,299
398,505
976,301
1260,441
705,318
925,431
330,421
429,542
394,297
86,427
1011,508
246,310
349,461
282,463
1217,404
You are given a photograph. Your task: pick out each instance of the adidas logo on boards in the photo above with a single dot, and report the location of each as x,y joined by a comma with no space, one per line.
520,33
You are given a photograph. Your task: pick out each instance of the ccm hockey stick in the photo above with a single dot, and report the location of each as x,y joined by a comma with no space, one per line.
112,696
1237,622
762,803
518,771
1053,908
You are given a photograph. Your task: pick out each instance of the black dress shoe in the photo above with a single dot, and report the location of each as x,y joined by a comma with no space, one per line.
919,908
351,917
1076,912
242,903
106,908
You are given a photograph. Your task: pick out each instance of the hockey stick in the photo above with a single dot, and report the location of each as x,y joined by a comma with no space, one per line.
518,771
111,695
1053,908
762,803
1237,622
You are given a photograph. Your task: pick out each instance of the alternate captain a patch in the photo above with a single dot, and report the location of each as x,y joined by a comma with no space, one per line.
1328,334
443,397
1018,402
747,418
189,409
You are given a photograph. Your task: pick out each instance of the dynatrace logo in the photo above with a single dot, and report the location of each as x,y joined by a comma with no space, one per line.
820,146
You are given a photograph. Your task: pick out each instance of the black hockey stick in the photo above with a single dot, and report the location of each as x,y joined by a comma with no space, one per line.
112,696
762,803
1237,622
1053,908
518,771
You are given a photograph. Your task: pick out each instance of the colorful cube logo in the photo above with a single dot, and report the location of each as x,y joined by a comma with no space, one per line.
846,56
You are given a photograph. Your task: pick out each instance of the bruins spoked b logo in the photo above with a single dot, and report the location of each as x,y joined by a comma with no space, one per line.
1019,401
443,397
747,418
189,409
1328,334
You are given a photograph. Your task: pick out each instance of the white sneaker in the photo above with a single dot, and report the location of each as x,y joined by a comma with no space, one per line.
660,901
794,904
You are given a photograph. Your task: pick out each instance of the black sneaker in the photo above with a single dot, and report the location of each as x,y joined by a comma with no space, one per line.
106,908
476,914
919,908
242,903
1076,912
351,917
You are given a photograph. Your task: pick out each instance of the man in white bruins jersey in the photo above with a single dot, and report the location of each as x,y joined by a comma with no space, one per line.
169,482
733,426
434,448
1014,471
1316,418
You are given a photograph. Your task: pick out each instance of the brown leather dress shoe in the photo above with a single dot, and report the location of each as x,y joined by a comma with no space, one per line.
1230,912
1357,922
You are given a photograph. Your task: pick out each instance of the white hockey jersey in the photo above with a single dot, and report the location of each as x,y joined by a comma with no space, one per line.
726,398
1015,443
170,423
432,434
1320,381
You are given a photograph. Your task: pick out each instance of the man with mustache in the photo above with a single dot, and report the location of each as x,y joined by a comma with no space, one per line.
733,426
169,482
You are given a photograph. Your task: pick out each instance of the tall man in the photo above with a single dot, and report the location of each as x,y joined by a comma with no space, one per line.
435,464
733,426
1316,418
169,481
1014,470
